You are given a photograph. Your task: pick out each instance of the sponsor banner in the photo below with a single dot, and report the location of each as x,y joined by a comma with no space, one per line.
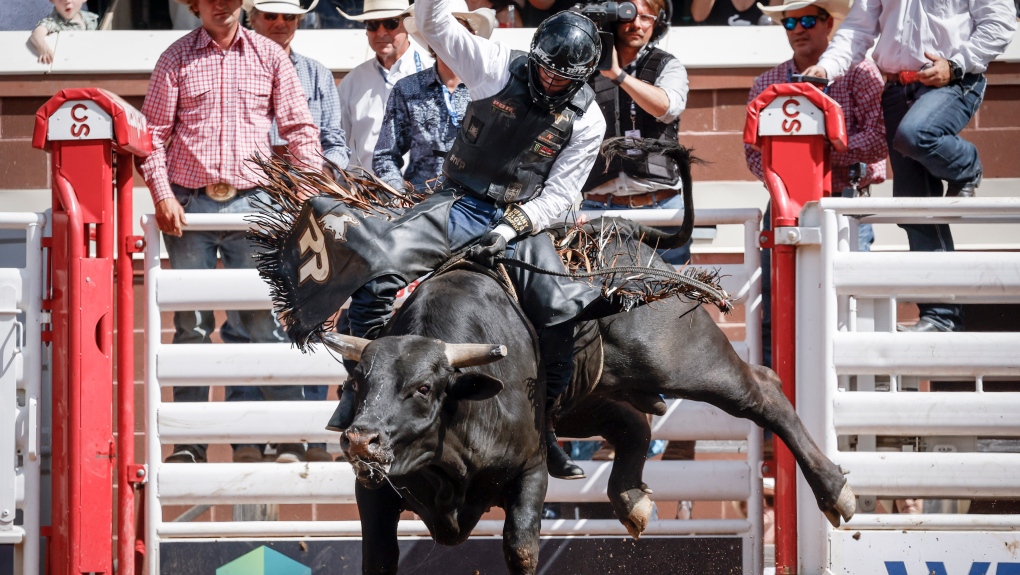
483,555
924,553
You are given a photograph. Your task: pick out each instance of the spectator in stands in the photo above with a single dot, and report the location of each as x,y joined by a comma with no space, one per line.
642,96
278,20
727,13
215,93
66,15
934,58
424,111
508,12
809,24
366,89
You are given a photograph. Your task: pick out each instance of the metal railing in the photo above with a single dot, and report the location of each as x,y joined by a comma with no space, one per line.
854,371
265,422
21,360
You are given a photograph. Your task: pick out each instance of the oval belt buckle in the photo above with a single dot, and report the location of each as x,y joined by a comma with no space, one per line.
220,192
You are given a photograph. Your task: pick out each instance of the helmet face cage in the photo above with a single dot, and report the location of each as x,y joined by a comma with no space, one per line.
567,46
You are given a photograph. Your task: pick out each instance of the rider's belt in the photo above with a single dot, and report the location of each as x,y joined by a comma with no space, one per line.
634,201
221,192
448,184
903,78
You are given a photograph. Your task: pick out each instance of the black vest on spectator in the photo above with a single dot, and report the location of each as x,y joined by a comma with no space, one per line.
507,144
616,107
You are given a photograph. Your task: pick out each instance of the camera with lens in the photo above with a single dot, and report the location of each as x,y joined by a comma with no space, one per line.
603,13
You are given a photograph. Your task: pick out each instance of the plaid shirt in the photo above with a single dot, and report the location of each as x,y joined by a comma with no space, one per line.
209,110
859,92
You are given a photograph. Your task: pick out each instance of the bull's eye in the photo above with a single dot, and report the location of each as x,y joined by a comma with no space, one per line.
424,389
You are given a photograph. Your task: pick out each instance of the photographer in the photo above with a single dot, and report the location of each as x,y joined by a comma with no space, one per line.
641,96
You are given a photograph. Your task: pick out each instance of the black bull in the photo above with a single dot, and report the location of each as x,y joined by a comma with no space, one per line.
447,431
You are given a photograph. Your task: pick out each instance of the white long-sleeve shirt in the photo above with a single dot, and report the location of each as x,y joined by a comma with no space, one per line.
363,95
969,32
484,67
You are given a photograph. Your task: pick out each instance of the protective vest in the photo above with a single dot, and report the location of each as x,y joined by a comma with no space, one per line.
507,144
616,107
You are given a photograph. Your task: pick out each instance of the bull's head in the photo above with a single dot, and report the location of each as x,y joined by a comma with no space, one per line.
397,394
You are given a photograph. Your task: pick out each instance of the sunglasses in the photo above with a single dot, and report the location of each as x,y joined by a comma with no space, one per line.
390,24
808,22
271,17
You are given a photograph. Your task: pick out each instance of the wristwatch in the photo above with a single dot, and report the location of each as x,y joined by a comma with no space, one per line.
956,71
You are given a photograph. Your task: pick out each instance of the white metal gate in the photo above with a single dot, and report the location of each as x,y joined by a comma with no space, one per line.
264,422
21,322
847,304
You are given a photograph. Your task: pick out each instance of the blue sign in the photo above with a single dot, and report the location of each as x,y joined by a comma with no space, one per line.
939,568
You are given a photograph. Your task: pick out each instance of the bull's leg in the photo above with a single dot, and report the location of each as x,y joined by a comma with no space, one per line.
627,430
759,397
524,498
380,512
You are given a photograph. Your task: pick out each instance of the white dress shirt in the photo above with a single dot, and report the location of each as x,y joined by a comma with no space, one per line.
969,32
363,95
484,67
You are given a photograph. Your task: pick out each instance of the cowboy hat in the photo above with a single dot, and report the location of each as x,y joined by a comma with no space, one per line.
836,8
279,6
482,20
378,10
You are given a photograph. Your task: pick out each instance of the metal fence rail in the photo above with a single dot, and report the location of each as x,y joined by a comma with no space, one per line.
21,322
279,364
847,319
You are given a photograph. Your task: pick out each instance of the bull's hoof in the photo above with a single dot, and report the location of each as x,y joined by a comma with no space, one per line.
846,506
639,509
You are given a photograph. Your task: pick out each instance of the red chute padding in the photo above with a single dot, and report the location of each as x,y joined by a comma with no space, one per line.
129,128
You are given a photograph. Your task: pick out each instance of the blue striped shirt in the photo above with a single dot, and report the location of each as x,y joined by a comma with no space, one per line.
324,103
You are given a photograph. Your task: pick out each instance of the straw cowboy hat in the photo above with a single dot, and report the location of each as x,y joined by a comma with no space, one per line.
482,20
378,10
836,8
279,6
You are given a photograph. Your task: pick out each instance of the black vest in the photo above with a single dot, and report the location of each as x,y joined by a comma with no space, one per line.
507,144
616,107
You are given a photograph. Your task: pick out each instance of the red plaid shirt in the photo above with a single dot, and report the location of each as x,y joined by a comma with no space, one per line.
209,110
859,92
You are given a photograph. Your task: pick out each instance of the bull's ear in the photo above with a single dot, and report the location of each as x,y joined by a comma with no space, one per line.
474,387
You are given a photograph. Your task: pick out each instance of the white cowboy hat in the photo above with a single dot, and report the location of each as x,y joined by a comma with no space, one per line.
837,8
378,10
482,20
279,6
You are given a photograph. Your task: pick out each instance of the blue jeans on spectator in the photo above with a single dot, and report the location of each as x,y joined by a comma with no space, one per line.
922,126
199,250
676,256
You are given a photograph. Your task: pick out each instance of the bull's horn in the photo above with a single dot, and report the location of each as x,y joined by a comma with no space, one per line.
472,354
346,345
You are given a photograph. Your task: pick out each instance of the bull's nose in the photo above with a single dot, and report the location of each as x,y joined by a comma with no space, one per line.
358,443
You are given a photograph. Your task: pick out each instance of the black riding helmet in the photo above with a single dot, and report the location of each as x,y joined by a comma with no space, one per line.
566,45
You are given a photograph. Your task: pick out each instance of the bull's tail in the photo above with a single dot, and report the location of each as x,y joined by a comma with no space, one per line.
684,159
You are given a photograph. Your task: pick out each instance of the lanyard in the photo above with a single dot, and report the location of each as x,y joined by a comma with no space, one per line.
447,99
385,76
633,105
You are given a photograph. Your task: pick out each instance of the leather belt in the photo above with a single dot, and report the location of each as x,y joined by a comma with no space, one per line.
902,78
220,192
634,201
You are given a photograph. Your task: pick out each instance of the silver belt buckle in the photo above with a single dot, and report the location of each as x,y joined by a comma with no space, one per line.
220,192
